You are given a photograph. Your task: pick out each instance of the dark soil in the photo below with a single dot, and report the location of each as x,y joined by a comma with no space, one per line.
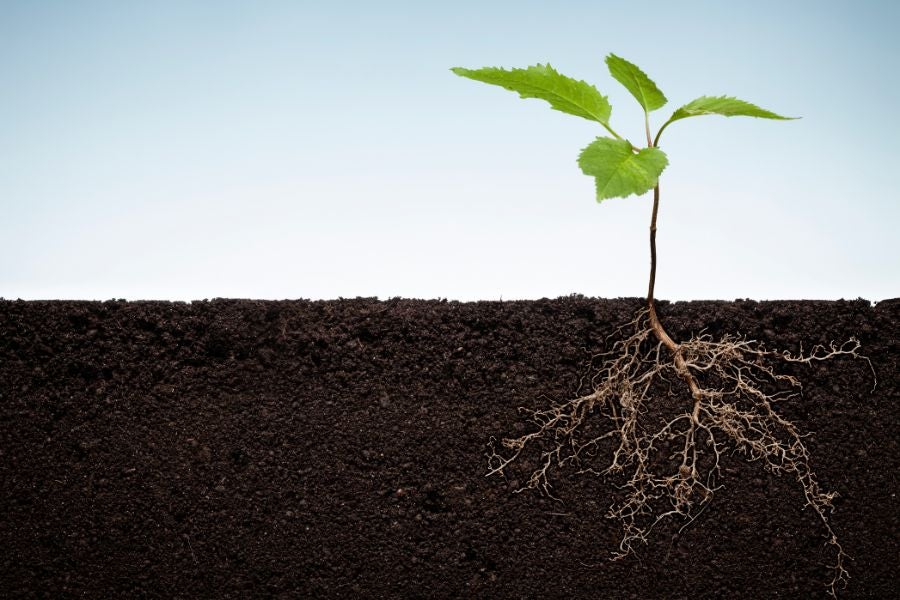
337,449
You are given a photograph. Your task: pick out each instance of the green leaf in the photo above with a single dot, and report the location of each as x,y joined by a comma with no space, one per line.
545,83
619,172
636,82
725,106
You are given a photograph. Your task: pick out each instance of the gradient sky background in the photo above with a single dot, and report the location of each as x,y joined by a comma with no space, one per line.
188,150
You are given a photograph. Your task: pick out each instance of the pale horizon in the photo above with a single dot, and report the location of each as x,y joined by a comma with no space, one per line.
196,150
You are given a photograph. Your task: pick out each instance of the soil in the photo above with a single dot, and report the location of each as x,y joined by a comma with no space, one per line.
337,449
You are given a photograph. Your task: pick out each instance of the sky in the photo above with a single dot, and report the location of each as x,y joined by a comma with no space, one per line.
182,150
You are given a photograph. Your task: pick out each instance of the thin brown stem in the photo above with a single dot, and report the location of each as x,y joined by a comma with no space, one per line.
656,326
653,246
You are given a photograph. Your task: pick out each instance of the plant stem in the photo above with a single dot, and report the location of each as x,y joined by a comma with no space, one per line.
654,319
650,143
659,133
656,326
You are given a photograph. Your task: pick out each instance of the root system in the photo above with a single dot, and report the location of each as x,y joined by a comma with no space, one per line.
669,451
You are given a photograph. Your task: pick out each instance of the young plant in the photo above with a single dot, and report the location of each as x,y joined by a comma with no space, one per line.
672,464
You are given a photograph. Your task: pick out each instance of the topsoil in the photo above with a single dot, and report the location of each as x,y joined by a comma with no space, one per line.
338,449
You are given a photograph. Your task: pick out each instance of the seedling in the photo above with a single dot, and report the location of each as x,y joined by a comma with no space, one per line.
672,465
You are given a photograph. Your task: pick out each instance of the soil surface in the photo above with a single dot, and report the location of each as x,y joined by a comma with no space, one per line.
337,449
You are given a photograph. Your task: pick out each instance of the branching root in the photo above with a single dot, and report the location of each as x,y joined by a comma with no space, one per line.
669,457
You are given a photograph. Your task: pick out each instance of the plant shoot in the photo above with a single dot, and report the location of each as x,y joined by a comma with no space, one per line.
731,386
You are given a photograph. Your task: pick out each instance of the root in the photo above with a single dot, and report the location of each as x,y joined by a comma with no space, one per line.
672,464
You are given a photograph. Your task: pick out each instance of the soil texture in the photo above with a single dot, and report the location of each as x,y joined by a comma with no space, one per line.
335,449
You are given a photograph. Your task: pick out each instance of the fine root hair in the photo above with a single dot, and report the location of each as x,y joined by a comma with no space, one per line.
670,457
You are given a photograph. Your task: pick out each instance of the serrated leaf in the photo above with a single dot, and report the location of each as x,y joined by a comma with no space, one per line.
636,81
618,171
545,83
725,106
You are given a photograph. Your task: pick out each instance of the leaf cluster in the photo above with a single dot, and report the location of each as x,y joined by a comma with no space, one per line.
619,167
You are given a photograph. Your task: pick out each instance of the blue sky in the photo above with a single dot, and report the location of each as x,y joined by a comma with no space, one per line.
187,150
